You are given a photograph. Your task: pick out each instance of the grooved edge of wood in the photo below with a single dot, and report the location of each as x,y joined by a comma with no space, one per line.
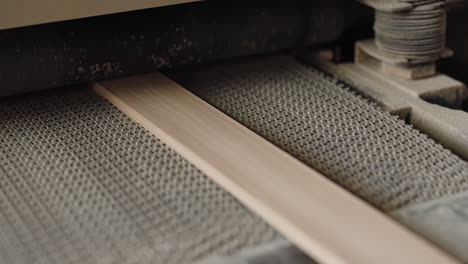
323,219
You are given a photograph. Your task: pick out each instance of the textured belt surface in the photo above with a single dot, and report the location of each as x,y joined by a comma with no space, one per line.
81,183
324,124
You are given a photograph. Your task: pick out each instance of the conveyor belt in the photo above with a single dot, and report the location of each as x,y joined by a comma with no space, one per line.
81,183
324,124
351,140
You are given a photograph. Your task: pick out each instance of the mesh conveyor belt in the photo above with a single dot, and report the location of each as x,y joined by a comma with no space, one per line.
81,183
321,122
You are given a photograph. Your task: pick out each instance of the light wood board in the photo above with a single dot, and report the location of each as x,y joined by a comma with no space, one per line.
18,13
326,221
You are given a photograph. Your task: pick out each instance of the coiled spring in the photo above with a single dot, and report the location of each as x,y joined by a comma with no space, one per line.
417,35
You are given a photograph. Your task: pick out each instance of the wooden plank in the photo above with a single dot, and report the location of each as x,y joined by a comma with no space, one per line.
18,13
326,221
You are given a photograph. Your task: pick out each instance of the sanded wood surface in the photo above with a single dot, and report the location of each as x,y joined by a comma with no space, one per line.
18,13
326,221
